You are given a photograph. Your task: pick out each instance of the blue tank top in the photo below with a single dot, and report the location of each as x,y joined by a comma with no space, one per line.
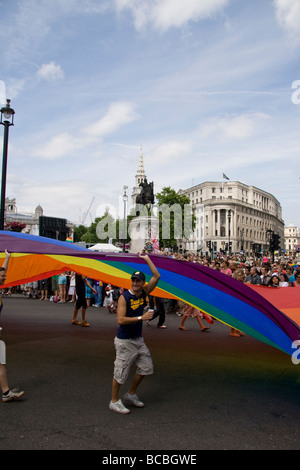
135,308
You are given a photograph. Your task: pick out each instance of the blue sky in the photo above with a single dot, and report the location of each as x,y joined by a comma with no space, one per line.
205,86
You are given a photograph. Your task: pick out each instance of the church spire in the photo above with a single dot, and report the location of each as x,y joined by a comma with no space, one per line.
141,172
140,177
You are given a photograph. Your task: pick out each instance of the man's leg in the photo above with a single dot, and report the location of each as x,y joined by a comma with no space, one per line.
7,394
75,313
144,367
121,373
3,379
83,311
115,391
116,404
132,390
135,383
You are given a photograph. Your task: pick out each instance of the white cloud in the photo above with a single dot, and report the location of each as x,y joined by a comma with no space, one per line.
169,152
50,72
236,127
168,13
118,114
288,16
164,14
59,146
64,143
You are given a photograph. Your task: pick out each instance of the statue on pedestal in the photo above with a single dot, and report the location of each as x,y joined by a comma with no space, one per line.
146,195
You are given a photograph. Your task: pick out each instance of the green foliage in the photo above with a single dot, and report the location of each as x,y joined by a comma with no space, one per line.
79,232
91,234
172,225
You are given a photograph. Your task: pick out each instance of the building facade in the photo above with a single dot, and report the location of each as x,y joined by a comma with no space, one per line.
292,238
232,216
31,220
36,222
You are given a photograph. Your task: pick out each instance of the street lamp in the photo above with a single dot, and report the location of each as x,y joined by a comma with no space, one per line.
125,199
7,120
229,220
242,240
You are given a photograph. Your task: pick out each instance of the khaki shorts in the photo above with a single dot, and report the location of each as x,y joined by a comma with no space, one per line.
2,353
129,351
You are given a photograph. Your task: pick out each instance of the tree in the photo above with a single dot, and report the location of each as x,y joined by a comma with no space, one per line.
79,232
176,220
101,230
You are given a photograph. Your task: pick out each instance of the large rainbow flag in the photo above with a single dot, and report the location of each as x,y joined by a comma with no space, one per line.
271,315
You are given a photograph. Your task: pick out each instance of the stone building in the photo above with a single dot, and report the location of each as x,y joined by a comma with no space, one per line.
292,238
232,215
30,219
33,221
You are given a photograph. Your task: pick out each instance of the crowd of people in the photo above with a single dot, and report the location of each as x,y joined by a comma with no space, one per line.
60,288
283,272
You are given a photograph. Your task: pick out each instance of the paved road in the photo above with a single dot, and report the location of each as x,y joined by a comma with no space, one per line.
209,390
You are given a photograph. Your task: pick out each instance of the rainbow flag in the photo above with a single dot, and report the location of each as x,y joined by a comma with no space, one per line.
269,315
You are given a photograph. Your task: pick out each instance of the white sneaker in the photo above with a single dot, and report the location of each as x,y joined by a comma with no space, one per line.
13,395
118,407
133,400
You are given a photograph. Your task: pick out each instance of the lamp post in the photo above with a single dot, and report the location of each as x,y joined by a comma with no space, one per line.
229,220
125,199
7,120
271,244
242,240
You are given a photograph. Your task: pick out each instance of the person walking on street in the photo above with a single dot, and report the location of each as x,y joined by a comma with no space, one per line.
129,343
7,393
158,306
80,283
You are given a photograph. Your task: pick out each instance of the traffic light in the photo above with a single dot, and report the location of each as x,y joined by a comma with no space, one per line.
208,244
272,243
276,241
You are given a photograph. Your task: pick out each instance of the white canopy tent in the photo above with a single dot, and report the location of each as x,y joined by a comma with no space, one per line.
106,247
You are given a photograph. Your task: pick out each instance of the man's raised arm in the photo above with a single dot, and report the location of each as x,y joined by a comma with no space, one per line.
155,274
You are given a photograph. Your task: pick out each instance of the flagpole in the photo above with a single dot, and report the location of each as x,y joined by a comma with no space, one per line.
226,178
